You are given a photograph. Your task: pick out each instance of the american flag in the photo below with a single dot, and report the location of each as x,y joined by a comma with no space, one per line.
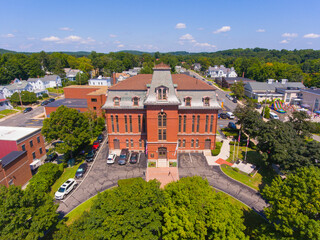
239,136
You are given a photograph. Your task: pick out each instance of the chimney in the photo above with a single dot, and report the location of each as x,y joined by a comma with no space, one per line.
114,80
284,81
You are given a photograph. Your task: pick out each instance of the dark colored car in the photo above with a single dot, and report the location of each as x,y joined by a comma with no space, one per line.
234,100
232,125
100,138
51,157
258,105
44,103
223,115
134,157
51,100
28,109
123,157
90,156
219,116
95,145
81,170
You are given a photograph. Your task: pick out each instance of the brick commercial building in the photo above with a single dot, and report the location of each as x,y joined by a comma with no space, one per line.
19,147
162,113
81,97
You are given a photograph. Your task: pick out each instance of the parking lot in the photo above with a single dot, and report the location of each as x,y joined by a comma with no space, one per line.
195,164
101,176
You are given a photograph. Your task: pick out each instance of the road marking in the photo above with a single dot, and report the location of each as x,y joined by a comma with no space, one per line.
139,157
87,172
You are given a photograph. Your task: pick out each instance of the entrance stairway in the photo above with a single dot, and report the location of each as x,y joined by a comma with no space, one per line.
163,163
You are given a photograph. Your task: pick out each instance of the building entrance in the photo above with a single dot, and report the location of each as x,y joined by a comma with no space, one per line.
207,144
116,143
162,153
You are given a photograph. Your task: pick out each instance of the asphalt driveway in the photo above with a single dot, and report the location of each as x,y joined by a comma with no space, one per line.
101,177
196,164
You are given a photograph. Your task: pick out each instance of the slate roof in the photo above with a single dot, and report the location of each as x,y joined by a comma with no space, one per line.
18,86
314,91
9,158
69,102
46,78
264,86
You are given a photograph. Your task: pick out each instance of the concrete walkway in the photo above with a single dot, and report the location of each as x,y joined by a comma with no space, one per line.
164,175
316,137
224,153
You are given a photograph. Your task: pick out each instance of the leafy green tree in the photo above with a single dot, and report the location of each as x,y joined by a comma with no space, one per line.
266,112
238,89
82,78
130,211
25,214
69,126
295,204
301,123
26,97
192,210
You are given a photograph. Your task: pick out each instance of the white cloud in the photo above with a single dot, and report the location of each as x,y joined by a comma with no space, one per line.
66,29
261,30
223,29
50,39
186,37
112,35
116,42
290,35
73,38
312,35
9,35
181,25
204,45
284,41
120,46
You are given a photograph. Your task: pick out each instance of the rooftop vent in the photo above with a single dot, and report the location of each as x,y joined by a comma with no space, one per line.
270,81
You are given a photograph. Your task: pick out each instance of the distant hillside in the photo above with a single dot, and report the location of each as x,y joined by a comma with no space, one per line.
5,51
134,52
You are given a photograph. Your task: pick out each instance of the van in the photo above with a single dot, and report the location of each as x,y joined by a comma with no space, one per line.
230,115
273,116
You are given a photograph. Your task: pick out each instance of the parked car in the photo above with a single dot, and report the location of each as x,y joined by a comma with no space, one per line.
100,138
90,156
230,115
65,188
51,157
258,105
51,100
44,103
81,170
28,109
111,158
274,116
223,115
229,97
133,157
95,145
234,100
232,125
123,156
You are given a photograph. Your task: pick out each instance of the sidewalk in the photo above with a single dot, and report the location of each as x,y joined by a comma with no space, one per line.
224,153
164,175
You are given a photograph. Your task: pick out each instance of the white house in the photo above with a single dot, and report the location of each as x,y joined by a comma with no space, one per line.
222,71
19,87
48,81
4,92
100,81
72,73
197,67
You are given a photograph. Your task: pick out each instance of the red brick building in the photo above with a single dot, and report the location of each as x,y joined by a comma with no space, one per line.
18,148
162,112
82,98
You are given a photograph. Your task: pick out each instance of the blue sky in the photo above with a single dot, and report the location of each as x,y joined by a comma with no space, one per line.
152,25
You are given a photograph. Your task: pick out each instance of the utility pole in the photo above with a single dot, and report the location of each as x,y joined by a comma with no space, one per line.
20,98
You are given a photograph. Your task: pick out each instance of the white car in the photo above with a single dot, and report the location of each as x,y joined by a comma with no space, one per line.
65,189
111,158
274,116
230,115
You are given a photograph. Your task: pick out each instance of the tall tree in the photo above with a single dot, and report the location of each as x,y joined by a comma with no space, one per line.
69,126
238,89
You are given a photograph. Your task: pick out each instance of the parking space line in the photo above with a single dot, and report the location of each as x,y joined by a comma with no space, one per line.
94,160
139,157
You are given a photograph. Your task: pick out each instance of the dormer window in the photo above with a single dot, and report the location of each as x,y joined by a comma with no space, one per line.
162,93
188,101
206,101
135,101
116,101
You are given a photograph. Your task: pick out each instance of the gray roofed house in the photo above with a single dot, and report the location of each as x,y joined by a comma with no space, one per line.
72,73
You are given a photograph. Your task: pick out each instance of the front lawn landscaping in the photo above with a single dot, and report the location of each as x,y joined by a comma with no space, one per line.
216,151
54,90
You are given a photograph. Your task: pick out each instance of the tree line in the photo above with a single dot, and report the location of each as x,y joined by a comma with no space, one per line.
258,64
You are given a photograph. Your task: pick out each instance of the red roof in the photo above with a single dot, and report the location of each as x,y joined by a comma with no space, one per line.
3,100
140,81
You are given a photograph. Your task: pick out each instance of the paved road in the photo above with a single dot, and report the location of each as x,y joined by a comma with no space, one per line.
198,165
316,137
101,177
25,119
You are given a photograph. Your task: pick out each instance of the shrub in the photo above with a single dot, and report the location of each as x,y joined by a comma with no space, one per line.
45,95
130,181
236,169
47,174
151,164
40,98
216,151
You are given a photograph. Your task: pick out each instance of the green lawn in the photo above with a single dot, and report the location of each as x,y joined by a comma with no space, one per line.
264,176
216,151
7,112
68,173
53,90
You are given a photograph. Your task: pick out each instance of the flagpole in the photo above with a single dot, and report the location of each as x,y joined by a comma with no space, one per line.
234,150
245,158
239,143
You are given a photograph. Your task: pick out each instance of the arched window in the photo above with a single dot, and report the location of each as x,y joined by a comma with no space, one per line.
116,101
162,93
206,101
162,126
135,101
188,101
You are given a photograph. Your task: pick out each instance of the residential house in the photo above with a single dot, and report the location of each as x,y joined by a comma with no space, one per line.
197,67
179,69
272,89
222,71
4,104
133,72
100,81
71,73
228,82
18,87
118,77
